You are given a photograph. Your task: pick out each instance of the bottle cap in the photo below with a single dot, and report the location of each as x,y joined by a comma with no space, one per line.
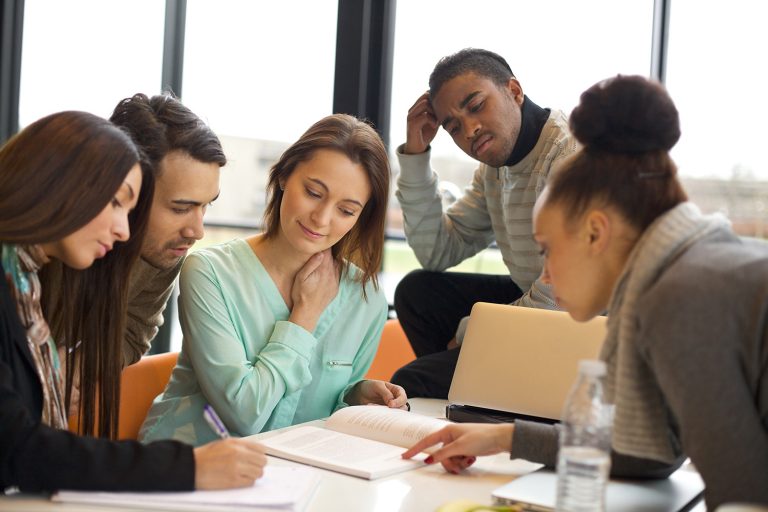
592,367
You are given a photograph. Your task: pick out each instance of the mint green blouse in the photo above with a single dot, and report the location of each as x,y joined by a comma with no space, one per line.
241,354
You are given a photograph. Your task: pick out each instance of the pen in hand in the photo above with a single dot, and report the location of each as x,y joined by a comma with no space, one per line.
215,422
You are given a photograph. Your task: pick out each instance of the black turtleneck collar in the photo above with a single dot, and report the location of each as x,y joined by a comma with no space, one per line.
532,121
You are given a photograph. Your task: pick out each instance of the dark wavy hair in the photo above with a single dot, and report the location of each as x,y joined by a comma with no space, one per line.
358,141
161,124
55,176
627,125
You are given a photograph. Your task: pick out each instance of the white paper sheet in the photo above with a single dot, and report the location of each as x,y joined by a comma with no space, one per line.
281,487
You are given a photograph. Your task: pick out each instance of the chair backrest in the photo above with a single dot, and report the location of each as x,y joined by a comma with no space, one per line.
140,384
393,353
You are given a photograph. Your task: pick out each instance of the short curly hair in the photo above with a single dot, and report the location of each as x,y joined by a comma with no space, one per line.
484,63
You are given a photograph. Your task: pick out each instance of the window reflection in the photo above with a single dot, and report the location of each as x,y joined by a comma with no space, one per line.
717,83
260,74
88,55
556,49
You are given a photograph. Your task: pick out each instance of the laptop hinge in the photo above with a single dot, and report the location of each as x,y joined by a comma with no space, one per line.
471,414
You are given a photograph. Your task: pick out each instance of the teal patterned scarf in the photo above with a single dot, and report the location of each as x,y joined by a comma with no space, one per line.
21,264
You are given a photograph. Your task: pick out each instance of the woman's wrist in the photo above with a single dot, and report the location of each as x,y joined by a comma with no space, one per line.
303,318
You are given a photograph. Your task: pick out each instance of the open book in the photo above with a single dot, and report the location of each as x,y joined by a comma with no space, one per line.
363,440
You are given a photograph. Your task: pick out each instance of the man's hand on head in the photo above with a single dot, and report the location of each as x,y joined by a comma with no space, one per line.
422,126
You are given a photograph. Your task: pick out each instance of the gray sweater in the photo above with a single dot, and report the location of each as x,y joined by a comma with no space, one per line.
148,291
703,331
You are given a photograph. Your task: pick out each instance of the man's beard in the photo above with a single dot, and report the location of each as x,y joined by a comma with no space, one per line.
162,259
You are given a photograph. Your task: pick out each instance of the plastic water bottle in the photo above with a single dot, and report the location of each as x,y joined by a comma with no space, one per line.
584,458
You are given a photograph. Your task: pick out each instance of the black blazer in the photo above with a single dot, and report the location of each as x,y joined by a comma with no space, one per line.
35,457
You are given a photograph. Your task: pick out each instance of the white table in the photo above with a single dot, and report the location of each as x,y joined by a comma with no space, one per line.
423,489
420,490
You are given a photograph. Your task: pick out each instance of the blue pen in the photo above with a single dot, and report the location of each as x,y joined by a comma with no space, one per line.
215,422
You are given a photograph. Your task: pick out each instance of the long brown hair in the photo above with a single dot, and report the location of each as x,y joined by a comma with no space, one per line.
55,176
157,125
58,174
358,141
87,316
627,125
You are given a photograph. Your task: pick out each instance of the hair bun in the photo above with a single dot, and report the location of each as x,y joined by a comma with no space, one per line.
626,114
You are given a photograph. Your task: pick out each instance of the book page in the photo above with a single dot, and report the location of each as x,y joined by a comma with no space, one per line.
379,423
337,451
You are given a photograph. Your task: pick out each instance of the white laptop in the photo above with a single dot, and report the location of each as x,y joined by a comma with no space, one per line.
519,362
537,492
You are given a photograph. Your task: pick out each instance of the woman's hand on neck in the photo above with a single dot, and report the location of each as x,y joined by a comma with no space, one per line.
314,287
307,284
281,262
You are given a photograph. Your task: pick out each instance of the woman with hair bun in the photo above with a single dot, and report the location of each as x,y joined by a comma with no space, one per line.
687,368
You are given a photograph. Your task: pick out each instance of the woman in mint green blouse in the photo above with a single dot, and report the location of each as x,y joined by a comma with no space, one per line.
280,328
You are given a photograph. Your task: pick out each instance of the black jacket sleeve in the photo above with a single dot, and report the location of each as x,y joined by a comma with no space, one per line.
35,457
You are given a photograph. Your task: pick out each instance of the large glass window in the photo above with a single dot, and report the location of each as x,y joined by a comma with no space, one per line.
260,74
556,49
88,54
715,76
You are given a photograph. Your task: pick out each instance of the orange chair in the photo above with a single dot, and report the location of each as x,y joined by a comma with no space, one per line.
140,384
143,381
393,353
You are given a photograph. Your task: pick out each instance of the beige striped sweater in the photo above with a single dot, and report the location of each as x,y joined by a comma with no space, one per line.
496,206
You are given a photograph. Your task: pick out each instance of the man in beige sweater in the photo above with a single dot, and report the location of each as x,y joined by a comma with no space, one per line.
186,157
476,98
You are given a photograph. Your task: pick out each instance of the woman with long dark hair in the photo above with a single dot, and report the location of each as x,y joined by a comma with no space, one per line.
68,183
184,156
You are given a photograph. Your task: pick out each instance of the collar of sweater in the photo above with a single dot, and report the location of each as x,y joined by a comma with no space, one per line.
640,417
532,121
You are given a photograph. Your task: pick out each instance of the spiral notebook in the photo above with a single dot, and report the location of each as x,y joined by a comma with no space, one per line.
519,363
